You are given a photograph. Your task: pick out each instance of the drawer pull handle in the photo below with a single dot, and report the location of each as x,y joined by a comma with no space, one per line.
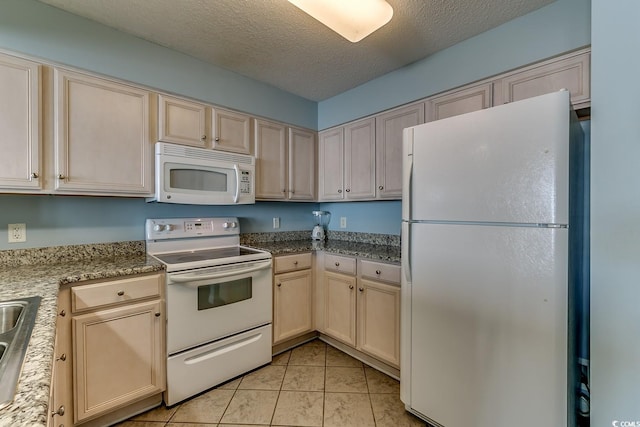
378,272
120,293
361,289
62,357
350,286
60,411
157,314
337,264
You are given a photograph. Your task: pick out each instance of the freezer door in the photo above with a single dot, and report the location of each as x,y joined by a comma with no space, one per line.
488,325
503,164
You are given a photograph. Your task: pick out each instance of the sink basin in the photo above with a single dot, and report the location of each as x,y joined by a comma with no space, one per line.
17,319
9,315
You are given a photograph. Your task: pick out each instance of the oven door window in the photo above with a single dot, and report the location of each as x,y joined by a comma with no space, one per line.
219,294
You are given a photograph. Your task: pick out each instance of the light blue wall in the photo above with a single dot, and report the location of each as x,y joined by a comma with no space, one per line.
36,29
615,213
557,28
66,220
366,217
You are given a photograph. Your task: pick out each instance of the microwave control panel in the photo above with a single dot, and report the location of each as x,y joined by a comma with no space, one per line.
245,182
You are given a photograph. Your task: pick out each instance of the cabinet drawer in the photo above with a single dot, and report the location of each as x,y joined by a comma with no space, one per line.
380,271
85,297
291,263
341,264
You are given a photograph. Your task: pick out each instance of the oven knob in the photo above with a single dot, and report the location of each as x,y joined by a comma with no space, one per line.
168,227
230,225
158,227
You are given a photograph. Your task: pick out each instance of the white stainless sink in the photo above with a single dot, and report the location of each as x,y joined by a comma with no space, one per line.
17,318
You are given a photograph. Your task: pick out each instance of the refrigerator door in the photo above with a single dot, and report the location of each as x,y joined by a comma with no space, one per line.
489,314
503,164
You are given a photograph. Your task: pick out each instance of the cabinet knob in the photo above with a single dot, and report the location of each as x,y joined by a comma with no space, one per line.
63,313
361,289
348,190
62,357
337,264
217,138
292,192
279,284
350,286
120,293
339,191
380,187
378,272
157,314
61,176
284,190
34,175
203,137
60,411
295,262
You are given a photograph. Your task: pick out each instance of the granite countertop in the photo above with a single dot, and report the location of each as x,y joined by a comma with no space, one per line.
377,252
41,272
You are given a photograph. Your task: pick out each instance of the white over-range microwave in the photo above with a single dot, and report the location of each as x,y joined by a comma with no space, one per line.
197,176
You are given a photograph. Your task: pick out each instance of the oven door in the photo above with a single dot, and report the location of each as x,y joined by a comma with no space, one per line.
211,303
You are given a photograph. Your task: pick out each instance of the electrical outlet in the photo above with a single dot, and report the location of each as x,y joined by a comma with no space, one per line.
343,222
17,233
276,222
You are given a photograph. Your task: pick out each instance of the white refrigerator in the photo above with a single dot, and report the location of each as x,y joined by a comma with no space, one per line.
491,266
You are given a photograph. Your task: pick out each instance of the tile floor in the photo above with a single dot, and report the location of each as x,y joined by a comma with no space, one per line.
312,385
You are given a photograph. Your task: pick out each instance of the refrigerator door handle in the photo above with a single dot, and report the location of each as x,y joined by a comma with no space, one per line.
405,239
407,173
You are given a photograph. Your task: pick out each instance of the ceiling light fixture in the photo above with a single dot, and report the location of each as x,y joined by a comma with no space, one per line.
352,19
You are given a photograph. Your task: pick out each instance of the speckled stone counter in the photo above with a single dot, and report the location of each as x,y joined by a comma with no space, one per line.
379,247
41,271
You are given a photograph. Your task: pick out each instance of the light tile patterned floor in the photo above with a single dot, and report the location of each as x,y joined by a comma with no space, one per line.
313,385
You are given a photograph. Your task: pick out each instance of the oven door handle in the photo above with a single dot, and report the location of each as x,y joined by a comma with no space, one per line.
183,279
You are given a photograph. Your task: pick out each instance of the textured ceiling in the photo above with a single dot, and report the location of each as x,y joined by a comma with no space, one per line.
275,42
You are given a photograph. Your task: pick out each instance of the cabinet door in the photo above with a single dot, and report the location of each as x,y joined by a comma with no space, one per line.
231,131
181,121
459,102
360,160
102,136
340,307
271,164
302,164
389,127
379,321
331,164
569,72
118,357
20,164
292,314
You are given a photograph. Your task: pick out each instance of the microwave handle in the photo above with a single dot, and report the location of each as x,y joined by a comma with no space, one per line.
184,279
237,195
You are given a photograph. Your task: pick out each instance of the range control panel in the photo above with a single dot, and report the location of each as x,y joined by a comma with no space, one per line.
179,228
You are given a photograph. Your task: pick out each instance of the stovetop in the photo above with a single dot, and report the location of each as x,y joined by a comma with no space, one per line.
214,254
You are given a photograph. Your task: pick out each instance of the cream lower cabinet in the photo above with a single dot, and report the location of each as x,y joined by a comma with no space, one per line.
102,136
362,310
110,349
292,297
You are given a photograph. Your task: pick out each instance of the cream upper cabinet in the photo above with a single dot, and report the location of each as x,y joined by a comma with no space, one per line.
571,72
331,164
182,122
102,143
271,160
20,138
301,169
474,98
347,162
389,127
231,131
